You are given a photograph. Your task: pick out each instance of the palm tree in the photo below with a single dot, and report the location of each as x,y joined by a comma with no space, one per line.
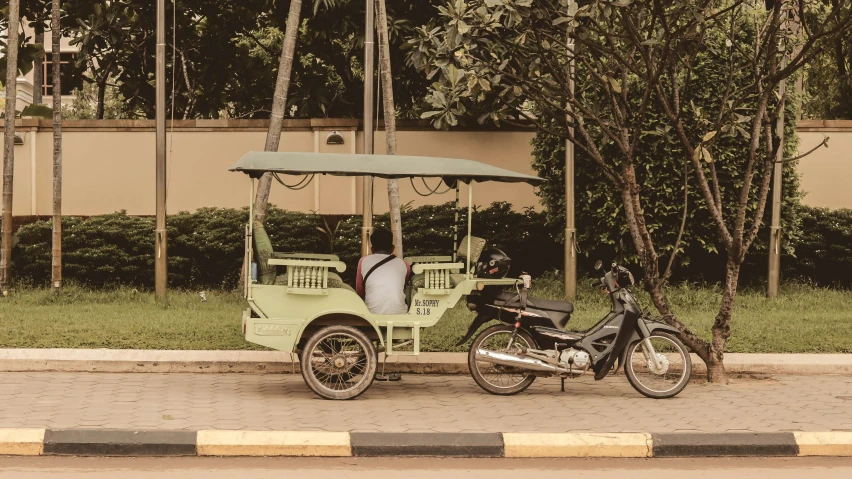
386,79
279,104
38,68
9,146
56,254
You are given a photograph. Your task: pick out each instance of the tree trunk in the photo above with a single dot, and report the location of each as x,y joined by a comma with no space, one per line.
279,104
386,79
722,325
56,254
102,84
9,147
654,282
38,70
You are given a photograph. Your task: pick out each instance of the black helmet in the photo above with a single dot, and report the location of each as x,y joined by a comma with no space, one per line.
493,264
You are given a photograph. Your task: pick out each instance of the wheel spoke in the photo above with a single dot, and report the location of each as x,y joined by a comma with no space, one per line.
339,362
499,376
663,375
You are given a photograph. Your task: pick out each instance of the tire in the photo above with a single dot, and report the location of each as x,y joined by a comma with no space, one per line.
516,382
339,362
673,350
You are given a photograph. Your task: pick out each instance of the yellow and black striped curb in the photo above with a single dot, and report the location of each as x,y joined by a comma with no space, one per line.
102,442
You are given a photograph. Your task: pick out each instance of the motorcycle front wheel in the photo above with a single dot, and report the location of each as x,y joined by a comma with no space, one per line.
496,378
663,378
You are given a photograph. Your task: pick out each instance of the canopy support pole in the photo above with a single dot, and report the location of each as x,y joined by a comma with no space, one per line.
469,222
456,226
250,239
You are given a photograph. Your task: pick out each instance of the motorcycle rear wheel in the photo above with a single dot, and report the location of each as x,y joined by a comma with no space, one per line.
494,378
669,377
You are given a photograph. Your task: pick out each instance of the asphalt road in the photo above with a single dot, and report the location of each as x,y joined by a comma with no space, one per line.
422,468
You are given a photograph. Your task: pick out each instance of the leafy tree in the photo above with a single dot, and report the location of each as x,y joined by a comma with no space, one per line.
828,80
84,105
226,56
27,52
37,15
637,61
103,34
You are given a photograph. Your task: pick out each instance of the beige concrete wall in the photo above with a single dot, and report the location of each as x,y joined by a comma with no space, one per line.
109,166
827,173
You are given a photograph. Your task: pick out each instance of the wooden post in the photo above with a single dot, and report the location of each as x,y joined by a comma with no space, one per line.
160,243
570,228
775,232
369,63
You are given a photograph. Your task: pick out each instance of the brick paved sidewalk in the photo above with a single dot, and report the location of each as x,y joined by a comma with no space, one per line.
416,404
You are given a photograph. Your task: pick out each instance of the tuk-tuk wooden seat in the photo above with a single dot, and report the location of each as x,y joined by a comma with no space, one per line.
334,281
434,278
309,276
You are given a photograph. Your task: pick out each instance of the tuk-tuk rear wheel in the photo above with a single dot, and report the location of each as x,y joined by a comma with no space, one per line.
339,362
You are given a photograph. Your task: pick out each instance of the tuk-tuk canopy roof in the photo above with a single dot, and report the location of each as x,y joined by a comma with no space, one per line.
255,163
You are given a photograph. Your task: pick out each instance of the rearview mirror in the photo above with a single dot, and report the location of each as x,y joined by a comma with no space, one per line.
598,264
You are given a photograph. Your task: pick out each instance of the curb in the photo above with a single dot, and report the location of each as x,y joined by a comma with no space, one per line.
276,362
105,442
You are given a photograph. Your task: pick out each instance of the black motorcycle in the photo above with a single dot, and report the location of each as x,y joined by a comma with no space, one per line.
533,341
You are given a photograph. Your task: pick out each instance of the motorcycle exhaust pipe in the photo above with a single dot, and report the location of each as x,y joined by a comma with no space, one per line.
522,362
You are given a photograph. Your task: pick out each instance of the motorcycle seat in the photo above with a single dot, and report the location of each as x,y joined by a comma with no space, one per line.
510,299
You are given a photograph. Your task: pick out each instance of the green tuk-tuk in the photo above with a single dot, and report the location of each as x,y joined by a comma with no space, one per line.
299,304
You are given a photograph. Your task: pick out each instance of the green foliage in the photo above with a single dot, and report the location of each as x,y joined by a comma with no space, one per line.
206,246
828,83
499,59
85,104
101,250
226,55
37,111
824,253
27,51
599,210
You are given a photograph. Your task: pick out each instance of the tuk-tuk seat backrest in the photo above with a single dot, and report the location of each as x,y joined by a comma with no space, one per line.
306,276
435,278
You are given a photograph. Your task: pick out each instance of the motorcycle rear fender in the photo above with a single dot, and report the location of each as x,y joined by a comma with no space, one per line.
477,323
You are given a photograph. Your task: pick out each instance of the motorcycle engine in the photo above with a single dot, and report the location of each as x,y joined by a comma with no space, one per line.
575,359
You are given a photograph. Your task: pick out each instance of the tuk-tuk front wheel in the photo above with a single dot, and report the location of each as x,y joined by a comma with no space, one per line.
339,362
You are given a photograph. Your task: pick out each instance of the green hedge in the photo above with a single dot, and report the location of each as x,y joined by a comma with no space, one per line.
206,246
824,252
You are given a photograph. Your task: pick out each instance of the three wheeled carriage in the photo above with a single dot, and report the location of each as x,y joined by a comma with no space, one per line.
299,304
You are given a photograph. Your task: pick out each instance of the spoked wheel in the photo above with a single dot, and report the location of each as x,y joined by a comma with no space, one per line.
665,377
496,378
339,362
